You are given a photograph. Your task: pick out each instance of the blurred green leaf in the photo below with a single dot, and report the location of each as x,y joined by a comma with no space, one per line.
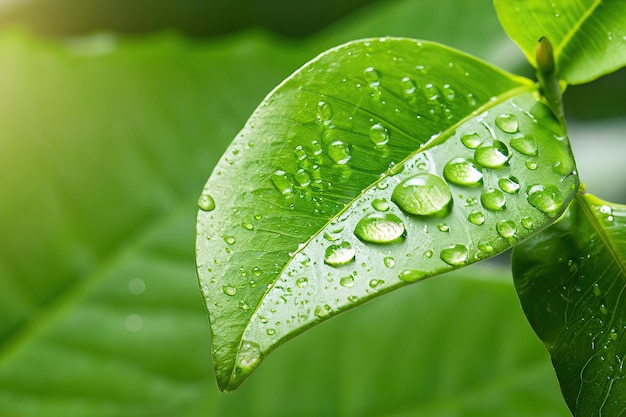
588,35
570,280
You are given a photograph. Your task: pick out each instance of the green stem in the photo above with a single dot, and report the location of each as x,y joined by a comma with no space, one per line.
547,76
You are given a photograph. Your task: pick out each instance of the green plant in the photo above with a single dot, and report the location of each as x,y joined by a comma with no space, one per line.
387,161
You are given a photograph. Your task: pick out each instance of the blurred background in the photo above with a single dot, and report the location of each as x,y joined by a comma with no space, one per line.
112,116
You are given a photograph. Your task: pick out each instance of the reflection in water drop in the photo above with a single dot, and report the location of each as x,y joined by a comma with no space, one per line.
509,185
492,199
379,135
412,275
206,202
249,356
547,199
461,171
423,194
492,156
507,123
471,140
380,228
526,145
506,228
341,254
455,255
339,152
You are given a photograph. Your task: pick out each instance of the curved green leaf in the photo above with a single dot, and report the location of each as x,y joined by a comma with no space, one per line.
379,163
570,281
589,36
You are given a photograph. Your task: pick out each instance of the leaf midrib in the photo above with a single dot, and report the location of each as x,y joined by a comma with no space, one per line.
576,27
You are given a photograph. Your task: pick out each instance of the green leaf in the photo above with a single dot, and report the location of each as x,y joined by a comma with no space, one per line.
379,163
570,280
589,36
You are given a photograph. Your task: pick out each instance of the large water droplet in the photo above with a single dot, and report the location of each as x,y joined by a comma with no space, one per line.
509,185
249,356
206,202
302,177
506,228
476,217
282,183
526,145
379,135
341,254
339,152
492,156
412,275
423,194
546,199
527,222
492,199
380,228
461,171
455,255
507,123
471,140
347,281
380,204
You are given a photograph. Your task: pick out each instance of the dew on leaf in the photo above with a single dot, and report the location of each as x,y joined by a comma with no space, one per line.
507,123
300,153
322,311
341,254
442,227
249,356
302,178
206,202
408,87
339,152
509,185
471,140
324,112
229,239
461,171
379,135
531,165
270,332
389,261
526,145
282,183
380,204
412,275
380,228
247,225
423,194
375,283
455,255
506,228
347,281
492,156
546,199
528,222
302,282
492,199
476,217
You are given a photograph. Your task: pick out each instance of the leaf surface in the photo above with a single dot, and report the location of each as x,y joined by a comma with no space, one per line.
570,280
379,163
589,36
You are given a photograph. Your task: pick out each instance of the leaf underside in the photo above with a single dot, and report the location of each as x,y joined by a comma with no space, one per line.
589,36
379,163
570,280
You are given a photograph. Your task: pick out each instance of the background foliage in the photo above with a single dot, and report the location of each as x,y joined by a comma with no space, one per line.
105,144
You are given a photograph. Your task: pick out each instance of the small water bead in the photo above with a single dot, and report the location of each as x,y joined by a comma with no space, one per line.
347,281
448,92
493,199
546,199
300,153
249,356
339,152
375,283
206,202
353,298
461,171
302,178
412,275
228,290
302,282
282,183
408,87
429,254
379,135
492,156
531,165
443,227
423,195
596,290
476,217
471,140
527,222
341,254
324,112
270,332
389,262
322,311
507,123
455,255
526,145
380,204
380,228
371,75
247,225
506,228
229,239
509,185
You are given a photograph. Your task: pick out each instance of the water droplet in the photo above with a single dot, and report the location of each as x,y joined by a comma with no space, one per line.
302,178
244,306
229,239
380,204
531,165
353,298
526,145
428,254
443,227
408,87
596,290
448,92
423,194
376,282
373,79
379,135
506,228
471,140
389,262
412,275
455,255
228,290
492,199
603,309
509,185
302,282
347,281
492,156
270,332
461,171
476,217
341,254
546,199
282,183
206,202
324,112
322,311
507,123
380,228
339,152
528,222
249,356
300,153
